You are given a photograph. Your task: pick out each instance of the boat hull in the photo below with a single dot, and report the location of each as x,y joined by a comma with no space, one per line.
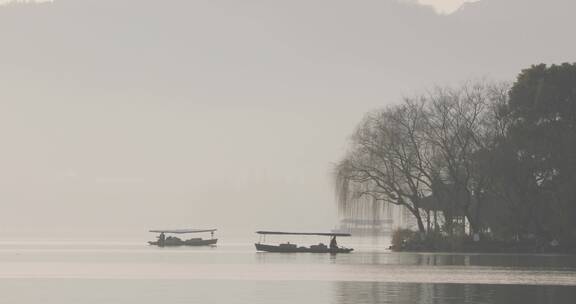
193,242
272,248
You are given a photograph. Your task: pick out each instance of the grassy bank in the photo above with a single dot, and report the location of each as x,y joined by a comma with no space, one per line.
411,241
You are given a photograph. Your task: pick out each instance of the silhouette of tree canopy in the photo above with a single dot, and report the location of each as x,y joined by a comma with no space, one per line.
503,157
541,144
425,147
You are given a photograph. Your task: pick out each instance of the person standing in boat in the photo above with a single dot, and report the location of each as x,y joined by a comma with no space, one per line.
161,239
333,244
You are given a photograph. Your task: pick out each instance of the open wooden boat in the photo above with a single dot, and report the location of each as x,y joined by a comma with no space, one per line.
164,241
290,248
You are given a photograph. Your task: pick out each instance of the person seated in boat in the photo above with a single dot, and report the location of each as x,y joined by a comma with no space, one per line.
333,244
173,240
320,247
288,245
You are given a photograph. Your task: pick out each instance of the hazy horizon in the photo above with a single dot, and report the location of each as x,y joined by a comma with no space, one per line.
122,116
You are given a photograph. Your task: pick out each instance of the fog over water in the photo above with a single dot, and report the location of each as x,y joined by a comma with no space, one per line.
119,116
127,272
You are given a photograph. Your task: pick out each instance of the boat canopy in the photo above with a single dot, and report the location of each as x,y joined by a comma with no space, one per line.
304,233
182,231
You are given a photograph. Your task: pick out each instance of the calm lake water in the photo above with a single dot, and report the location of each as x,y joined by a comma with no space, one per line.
130,272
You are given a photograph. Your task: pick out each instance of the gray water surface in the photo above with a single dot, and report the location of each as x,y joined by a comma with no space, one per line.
130,272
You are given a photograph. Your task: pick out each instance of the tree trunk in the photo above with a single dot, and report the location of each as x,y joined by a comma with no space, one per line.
436,227
416,212
428,222
473,224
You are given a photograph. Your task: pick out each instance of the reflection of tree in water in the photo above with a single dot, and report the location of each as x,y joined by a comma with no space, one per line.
521,261
400,293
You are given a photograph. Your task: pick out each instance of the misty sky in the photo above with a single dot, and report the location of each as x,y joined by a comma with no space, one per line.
445,6
119,116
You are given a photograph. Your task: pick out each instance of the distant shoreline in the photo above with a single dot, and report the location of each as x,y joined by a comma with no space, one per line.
486,247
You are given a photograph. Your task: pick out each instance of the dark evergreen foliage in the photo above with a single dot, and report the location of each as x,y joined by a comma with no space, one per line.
536,160
504,159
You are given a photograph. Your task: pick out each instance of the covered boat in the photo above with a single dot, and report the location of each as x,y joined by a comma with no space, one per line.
289,247
170,240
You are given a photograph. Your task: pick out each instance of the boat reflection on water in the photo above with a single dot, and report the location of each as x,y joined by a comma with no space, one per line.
110,272
400,293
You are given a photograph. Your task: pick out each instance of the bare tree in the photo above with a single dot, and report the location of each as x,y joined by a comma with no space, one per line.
460,123
426,145
387,161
